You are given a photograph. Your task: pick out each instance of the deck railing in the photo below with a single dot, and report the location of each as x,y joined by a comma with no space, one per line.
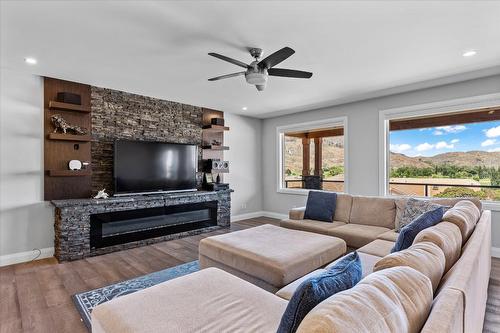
424,189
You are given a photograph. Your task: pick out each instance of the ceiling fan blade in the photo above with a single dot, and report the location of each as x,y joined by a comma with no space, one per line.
231,60
276,57
289,73
226,76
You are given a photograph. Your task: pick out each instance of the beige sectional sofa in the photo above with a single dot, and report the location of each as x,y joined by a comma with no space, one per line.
369,223
439,284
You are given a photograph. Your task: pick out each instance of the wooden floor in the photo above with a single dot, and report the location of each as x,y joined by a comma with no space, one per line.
36,296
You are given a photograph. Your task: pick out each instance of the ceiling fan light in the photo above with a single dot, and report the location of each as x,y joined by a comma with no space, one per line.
256,78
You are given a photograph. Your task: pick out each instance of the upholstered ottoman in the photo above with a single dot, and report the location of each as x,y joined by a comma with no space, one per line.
270,256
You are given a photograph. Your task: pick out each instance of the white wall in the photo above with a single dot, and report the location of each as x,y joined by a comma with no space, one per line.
26,222
245,142
363,138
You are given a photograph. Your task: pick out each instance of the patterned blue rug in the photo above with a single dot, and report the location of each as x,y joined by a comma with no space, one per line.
88,300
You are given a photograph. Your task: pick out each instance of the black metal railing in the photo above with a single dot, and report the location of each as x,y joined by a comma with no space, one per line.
425,185
288,181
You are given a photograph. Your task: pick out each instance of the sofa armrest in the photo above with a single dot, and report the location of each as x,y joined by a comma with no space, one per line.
297,213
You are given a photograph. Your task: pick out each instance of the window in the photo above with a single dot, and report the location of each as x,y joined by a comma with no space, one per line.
446,155
312,157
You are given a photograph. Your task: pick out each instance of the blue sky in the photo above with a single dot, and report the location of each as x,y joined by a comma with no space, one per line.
436,140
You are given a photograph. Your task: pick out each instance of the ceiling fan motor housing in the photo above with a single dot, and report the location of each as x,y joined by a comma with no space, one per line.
256,75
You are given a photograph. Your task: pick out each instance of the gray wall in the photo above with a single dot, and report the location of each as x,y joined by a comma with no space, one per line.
363,139
25,220
245,141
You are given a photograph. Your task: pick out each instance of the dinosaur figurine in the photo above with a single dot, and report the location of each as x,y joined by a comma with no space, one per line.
61,124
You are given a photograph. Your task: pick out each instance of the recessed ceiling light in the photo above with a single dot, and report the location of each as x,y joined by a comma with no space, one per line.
244,108
31,61
470,53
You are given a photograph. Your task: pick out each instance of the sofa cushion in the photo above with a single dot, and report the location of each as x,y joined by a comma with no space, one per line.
447,236
390,235
315,289
464,215
410,231
425,257
357,235
374,211
450,202
320,206
311,225
367,263
413,209
447,313
297,213
378,247
275,255
287,291
343,208
393,300
207,300
471,273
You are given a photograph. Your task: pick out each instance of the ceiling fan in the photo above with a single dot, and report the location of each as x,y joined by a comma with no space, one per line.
258,71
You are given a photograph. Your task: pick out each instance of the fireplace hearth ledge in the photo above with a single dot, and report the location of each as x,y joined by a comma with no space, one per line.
72,219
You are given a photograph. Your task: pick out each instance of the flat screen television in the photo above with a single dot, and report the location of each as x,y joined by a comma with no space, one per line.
142,167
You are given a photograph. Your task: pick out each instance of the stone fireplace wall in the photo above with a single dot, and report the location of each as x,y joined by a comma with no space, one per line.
121,115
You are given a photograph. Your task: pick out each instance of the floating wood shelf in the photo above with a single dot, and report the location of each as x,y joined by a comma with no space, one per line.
69,137
215,147
69,173
215,128
53,105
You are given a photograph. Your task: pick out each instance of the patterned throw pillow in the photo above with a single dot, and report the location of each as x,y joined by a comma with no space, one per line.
413,209
410,231
342,276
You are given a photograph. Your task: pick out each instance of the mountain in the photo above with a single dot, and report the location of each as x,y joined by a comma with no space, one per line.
333,154
469,158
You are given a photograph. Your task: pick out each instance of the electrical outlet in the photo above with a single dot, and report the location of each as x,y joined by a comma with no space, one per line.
243,206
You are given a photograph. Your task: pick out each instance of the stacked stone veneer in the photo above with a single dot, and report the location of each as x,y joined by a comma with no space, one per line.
72,222
121,115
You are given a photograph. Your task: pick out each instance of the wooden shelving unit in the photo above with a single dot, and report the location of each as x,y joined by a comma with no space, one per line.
53,105
70,173
211,133
59,148
70,137
215,128
215,147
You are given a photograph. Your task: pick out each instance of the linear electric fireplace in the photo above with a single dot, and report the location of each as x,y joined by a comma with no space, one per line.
126,226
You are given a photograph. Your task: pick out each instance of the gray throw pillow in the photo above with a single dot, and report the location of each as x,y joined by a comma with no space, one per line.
413,209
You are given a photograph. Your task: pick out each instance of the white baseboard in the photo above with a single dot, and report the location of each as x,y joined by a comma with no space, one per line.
246,216
16,258
275,215
253,215
495,252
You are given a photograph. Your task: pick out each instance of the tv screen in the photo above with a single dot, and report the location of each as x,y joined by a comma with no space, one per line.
141,166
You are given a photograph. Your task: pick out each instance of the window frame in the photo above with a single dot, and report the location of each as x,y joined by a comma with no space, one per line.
280,143
422,110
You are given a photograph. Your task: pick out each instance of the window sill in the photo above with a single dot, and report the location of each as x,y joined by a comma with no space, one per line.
491,205
303,192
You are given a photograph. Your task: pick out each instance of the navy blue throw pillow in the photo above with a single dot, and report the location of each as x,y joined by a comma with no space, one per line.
410,231
342,276
320,206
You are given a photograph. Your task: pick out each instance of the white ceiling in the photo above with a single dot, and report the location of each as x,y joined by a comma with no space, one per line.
159,48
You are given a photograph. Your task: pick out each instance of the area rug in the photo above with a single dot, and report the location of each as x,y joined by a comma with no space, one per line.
88,300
